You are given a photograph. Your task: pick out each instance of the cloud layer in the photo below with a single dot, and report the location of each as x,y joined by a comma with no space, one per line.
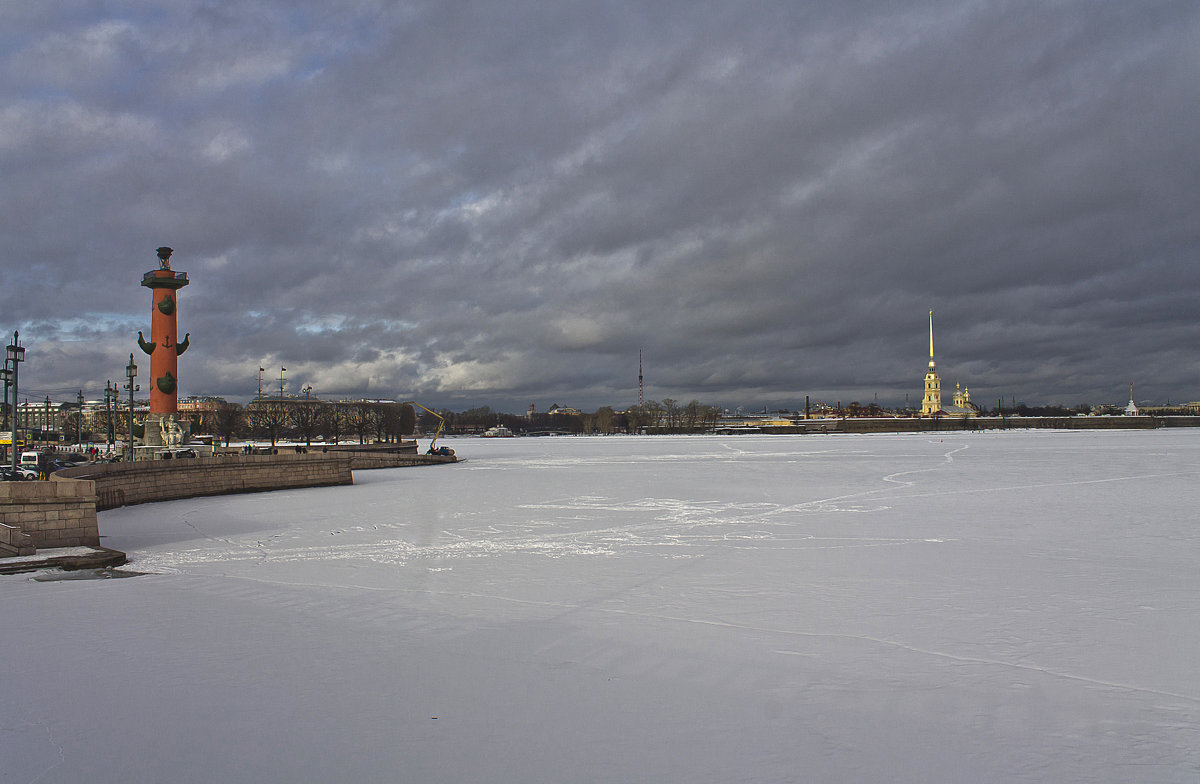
502,202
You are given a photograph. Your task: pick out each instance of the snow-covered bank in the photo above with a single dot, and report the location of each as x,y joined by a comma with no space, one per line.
969,607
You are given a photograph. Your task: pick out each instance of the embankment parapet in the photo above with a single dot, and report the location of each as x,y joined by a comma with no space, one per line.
62,511
47,514
124,484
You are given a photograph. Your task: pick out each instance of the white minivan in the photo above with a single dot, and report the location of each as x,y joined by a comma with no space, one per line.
29,460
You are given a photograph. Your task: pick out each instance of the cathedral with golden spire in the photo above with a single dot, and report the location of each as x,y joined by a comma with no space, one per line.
931,404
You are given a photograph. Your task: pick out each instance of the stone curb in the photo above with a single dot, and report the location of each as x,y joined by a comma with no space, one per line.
99,559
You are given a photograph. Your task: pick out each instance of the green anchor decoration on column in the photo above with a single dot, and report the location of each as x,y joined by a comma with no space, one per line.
166,384
147,347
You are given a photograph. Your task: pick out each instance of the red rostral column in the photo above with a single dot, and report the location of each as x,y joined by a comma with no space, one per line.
164,347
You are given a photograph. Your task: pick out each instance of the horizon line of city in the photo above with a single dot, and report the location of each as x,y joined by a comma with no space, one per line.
201,402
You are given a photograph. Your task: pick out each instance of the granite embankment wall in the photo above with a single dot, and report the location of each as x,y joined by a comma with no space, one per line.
62,511
14,541
47,514
124,484
370,456
945,424
368,460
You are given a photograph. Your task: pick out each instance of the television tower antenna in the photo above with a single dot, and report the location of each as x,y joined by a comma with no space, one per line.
640,387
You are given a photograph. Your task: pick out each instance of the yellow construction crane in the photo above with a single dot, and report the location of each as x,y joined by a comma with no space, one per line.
434,449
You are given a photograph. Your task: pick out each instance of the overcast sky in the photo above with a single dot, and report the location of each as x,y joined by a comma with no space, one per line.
500,203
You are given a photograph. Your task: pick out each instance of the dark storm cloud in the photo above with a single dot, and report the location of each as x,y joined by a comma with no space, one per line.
502,202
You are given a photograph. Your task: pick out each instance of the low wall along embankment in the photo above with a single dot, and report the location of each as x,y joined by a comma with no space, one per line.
124,484
47,514
943,424
62,511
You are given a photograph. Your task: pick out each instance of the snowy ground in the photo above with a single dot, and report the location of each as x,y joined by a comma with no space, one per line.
900,608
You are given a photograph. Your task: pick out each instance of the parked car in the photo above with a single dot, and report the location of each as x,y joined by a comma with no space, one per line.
22,474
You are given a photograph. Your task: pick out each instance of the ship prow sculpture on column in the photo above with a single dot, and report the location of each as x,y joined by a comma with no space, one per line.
162,427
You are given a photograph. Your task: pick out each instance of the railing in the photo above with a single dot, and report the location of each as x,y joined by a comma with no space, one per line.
151,275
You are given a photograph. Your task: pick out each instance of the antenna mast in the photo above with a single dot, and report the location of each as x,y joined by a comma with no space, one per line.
640,387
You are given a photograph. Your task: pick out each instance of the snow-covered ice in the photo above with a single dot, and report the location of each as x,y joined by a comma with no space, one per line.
1019,606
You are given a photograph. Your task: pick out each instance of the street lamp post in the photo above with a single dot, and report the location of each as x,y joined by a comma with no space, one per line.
110,395
79,422
281,382
131,374
15,356
308,416
6,375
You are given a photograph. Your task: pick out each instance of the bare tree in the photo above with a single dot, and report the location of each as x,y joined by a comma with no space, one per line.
645,416
334,421
393,421
228,421
306,418
407,421
674,413
359,419
384,420
429,422
268,418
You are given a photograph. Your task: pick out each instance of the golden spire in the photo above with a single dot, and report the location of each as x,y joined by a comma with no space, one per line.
931,339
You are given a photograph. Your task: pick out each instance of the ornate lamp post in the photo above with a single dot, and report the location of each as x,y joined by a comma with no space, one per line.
79,422
131,374
14,357
110,397
6,375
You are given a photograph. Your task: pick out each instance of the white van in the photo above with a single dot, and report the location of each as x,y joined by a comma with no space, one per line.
29,460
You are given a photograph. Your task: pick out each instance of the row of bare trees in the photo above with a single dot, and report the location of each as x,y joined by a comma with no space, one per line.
274,420
669,416
303,420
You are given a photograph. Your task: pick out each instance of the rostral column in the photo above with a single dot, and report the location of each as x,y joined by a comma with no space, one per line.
164,347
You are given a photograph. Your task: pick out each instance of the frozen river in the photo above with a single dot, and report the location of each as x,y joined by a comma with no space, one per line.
1019,606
